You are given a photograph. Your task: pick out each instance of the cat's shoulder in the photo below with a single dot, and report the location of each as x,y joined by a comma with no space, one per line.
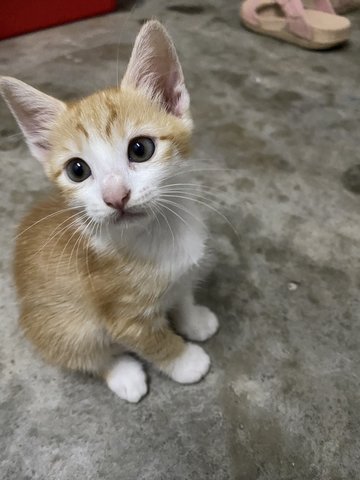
47,210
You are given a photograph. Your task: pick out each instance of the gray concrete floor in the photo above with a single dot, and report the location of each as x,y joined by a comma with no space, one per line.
282,399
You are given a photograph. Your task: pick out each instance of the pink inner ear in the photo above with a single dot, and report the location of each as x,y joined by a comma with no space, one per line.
170,89
36,123
35,112
154,67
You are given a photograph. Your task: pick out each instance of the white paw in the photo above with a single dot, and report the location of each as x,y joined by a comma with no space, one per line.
127,379
190,366
200,324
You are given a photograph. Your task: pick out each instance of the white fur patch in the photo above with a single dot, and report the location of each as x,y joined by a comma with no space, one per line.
175,245
175,258
190,366
198,324
127,379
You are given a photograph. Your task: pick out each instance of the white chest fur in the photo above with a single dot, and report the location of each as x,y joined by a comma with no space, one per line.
174,244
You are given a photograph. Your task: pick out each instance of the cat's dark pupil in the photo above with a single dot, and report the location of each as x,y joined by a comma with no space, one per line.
78,169
139,149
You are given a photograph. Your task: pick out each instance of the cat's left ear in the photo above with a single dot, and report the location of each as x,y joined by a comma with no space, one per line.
155,69
34,111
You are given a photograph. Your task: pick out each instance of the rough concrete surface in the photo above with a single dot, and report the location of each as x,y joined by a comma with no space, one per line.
282,399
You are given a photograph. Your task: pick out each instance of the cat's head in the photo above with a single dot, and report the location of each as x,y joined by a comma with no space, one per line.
112,152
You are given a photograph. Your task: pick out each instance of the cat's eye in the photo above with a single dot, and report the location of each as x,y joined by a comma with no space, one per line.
141,149
77,170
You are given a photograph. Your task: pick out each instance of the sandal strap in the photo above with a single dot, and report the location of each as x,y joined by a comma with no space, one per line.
296,23
294,12
324,6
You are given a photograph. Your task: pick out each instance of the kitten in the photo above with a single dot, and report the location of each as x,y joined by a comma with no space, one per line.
103,263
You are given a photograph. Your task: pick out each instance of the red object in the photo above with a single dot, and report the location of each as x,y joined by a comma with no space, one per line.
21,16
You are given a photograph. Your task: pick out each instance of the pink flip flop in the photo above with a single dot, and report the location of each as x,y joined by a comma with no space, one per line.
317,29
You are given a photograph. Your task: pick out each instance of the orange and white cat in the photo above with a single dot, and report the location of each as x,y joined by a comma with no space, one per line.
104,262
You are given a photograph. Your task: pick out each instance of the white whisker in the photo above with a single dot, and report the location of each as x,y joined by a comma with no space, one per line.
211,207
54,233
199,193
175,213
181,207
76,230
168,224
44,218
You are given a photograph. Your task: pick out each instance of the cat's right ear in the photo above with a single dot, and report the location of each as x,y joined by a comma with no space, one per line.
34,111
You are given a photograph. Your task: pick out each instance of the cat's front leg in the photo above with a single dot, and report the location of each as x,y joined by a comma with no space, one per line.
155,341
126,378
195,322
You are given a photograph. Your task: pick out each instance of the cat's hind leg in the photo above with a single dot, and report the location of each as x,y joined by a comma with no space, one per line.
83,346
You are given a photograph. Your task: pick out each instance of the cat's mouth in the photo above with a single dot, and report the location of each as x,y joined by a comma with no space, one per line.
127,215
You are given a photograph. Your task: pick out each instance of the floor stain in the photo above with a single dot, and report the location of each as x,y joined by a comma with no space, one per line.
351,179
234,79
9,139
186,9
319,69
286,97
245,184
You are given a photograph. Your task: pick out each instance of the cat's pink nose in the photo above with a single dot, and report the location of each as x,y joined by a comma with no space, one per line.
117,200
115,192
